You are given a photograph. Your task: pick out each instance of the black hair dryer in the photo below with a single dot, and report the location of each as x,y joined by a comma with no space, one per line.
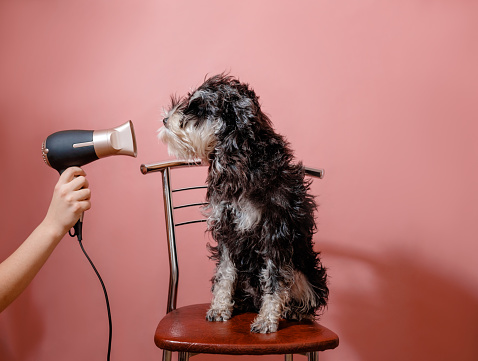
70,148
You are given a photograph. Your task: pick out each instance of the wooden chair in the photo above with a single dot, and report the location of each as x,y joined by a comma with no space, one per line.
185,329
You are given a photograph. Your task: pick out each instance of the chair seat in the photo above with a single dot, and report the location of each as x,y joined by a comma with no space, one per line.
186,329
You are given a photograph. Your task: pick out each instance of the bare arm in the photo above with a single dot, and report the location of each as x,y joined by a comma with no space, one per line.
70,198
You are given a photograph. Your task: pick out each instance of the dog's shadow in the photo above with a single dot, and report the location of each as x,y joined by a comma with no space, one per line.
393,307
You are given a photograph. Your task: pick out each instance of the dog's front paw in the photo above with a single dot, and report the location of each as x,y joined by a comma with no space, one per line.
264,325
218,314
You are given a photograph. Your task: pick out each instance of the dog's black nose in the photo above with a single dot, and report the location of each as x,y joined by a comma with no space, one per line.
165,121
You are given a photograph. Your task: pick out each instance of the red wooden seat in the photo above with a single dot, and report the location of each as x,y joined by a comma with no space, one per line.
186,329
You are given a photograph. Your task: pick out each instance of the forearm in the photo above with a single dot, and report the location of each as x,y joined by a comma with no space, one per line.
18,270
70,198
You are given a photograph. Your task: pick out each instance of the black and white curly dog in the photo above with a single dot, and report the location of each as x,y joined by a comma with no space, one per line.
260,212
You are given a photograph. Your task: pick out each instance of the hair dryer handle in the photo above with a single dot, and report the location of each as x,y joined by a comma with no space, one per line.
78,227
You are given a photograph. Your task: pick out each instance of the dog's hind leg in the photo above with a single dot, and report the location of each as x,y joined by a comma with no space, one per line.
222,289
275,295
303,299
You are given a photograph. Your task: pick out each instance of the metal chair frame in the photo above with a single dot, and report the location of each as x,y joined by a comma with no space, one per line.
165,169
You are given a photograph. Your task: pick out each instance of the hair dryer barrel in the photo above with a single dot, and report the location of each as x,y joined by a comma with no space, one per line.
69,148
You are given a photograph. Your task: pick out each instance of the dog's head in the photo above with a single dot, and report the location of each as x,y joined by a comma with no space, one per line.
222,113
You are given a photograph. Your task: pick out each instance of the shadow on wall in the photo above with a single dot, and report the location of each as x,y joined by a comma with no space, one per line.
23,329
406,311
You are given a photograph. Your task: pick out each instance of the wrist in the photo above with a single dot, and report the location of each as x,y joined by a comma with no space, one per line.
53,229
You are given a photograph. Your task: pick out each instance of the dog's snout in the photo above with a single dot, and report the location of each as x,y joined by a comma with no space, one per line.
165,121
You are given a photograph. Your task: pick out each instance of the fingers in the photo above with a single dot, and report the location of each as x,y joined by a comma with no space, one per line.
84,205
78,183
72,179
81,195
73,187
71,197
70,173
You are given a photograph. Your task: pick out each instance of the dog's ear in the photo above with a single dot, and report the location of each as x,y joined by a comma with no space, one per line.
197,104
201,106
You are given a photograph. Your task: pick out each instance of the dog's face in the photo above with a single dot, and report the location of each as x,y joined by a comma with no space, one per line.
191,124
222,112
188,133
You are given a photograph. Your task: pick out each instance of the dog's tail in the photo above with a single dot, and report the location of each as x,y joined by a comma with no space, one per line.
318,280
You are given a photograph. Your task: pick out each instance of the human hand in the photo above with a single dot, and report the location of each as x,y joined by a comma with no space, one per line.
71,197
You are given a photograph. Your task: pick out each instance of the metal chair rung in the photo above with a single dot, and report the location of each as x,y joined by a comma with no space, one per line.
188,188
190,205
190,222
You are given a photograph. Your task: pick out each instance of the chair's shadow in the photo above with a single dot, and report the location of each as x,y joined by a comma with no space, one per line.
404,310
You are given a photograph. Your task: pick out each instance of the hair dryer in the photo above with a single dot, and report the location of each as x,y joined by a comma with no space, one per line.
69,148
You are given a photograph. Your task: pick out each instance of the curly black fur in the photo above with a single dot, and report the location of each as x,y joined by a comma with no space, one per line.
260,211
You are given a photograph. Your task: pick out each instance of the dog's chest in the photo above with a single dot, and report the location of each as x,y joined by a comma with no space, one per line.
234,216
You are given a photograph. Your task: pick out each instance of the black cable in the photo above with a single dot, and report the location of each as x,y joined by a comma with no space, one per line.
106,298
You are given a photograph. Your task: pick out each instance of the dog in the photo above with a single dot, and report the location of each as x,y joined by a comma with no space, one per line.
260,211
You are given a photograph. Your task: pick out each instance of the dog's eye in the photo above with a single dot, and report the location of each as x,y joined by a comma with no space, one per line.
165,121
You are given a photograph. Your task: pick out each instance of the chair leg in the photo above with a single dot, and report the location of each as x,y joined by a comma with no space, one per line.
166,355
289,357
183,356
313,356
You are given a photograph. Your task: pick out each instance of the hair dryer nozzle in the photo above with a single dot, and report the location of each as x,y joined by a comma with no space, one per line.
117,141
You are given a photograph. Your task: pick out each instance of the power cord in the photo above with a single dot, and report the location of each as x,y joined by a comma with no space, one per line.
106,298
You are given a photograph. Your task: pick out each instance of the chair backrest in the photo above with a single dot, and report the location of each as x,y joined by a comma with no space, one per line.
166,169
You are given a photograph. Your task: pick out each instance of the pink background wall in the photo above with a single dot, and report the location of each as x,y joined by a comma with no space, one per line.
382,94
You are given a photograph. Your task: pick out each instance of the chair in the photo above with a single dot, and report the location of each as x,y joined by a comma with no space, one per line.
185,329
